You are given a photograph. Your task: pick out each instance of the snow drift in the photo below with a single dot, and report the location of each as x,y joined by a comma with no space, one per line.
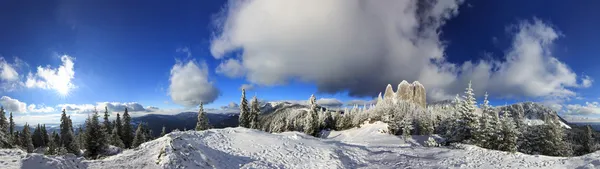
364,147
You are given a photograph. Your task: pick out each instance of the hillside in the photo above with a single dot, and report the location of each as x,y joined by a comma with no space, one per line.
363,147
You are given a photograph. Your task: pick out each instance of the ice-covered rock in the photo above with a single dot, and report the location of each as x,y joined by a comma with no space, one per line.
414,93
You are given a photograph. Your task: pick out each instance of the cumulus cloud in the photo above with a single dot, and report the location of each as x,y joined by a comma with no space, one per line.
110,106
58,79
231,105
13,105
32,108
231,68
587,82
189,84
361,46
329,102
590,108
7,71
248,87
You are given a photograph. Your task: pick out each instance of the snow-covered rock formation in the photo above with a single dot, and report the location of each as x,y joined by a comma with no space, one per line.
532,113
414,93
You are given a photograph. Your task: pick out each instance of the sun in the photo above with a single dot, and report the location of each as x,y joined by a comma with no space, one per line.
63,90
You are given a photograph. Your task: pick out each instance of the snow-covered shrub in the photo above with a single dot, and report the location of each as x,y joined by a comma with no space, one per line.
431,142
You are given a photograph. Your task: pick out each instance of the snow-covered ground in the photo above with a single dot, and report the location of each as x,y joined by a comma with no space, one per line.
365,147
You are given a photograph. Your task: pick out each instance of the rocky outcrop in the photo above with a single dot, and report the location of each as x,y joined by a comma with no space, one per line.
414,93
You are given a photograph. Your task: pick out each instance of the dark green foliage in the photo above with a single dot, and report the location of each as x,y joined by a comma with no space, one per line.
115,139
11,125
3,121
140,136
38,138
589,144
95,140
107,126
127,135
27,143
52,144
244,120
66,134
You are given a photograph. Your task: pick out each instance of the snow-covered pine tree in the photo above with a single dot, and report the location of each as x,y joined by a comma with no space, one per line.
555,145
127,130
119,126
486,131
107,127
311,122
66,135
254,111
468,122
52,147
95,138
26,139
80,136
3,121
16,139
115,139
202,123
406,126
328,122
509,134
589,144
139,137
244,120
163,132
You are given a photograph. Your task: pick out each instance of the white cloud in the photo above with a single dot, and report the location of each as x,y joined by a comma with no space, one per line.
589,108
7,71
58,79
329,102
579,119
248,87
112,107
361,46
32,108
231,68
360,102
13,105
587,82
189,84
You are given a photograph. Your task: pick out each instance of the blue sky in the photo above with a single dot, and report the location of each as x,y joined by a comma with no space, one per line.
164,57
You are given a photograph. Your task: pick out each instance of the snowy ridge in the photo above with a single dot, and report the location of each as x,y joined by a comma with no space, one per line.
365,147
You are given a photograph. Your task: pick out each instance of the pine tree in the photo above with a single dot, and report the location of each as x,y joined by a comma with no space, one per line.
115,139
127,129
16,138
406,126
45,135
56,141
554,143
52,147
95,140
26,139
119,126
254,113
80,136
38,138
468,123
107,126
139,136
509,134
202,123
485,134
163,132
244,111
3,122
66,134
311,125
328,122
589,144
147,133
11,126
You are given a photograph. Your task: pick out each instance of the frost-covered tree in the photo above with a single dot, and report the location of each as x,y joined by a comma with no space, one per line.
52,147
589,144
554,143
202,123
244,119
487,133
16,139
95,140
311,125
468,122
406,126
3,121
119,126
328,122
431,142
107,127
163,132
254,111
509,134
66,134
140,137
115,139
26,139
127,130
80,136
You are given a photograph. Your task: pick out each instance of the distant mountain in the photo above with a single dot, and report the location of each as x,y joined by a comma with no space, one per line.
184,120
533,113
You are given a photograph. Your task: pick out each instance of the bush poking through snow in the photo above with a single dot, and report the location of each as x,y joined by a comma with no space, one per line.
431,142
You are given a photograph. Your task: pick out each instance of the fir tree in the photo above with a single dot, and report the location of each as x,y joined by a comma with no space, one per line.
328,122
244,111
115,139
139,136
107,126
406,126
66,134
311,125
468,123
119,126
3,121
163,132
202,123
27,143
509,134
38,138
56,141
95,140
16,139
45,135
11,125
127,129
254,113
52,147
589,144
555,144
